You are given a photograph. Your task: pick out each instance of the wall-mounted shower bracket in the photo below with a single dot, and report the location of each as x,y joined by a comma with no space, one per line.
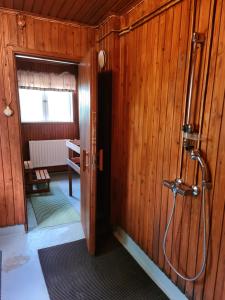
195,136
188,128
198,38
190,137
197,156
179,187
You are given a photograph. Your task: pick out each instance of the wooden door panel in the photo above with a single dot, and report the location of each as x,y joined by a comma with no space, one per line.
87,112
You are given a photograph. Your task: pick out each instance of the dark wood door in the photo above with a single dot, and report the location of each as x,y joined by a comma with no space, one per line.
87,117
104,126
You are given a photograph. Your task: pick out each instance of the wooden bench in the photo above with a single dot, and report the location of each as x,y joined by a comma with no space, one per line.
38,177
41,178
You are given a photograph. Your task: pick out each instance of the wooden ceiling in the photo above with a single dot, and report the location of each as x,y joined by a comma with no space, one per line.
90,12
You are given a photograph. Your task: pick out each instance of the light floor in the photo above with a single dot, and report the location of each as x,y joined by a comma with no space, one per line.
22,277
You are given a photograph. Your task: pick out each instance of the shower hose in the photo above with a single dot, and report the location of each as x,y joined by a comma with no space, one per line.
204,238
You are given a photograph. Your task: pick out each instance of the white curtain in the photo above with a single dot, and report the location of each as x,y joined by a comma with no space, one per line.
51,81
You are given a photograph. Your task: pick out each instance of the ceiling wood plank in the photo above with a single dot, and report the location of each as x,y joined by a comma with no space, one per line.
6,3
37,7
47,7
28,4
66,8
89,12
18,4
100,14
122,6
76,7
56,8
82,12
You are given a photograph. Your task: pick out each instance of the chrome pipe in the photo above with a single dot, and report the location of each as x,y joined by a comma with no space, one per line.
197,39
191,80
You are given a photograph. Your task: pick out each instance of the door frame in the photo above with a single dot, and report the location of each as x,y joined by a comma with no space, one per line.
93,144
11,52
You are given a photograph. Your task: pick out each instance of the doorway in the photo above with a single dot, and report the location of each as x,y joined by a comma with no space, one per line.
87,95
49,118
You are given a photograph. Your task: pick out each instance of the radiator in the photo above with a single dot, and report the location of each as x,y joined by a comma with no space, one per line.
48,153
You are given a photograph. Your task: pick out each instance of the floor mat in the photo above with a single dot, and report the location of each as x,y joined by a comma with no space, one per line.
71,273
52,209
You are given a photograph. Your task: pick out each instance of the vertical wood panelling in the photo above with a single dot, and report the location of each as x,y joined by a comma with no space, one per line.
194,250
3,140
172,22
150,77
153,75
156,114
52,38
214,130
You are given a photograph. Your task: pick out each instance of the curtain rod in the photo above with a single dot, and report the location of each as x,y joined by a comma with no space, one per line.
45,59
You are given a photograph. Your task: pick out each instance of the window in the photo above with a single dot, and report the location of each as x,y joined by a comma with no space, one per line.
45,106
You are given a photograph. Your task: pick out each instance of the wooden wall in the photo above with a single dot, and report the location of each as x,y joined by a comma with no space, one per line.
41,37
148,114
214,131
150,66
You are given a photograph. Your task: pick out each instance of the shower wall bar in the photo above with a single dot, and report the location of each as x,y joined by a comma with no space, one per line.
189,136
197,40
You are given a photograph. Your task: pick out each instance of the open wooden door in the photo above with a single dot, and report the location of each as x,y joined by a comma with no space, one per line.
87,116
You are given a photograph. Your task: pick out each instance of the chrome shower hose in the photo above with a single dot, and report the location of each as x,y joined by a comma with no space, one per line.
204,238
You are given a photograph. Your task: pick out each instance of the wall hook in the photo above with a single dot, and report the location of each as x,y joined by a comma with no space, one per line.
8,112
21,21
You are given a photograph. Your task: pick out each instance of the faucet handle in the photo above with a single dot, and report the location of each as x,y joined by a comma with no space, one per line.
178,181
169,184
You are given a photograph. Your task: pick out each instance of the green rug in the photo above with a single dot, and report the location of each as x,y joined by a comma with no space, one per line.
52,209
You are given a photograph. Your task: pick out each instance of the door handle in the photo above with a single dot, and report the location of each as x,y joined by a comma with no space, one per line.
85,160
101,160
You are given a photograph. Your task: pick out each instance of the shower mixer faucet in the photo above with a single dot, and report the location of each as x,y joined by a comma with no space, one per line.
179,187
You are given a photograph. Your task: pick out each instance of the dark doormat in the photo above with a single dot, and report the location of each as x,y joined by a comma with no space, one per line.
70,274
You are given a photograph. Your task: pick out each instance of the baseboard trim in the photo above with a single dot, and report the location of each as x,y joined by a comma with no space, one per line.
153,271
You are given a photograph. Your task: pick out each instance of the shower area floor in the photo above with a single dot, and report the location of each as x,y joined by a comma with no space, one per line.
22,277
